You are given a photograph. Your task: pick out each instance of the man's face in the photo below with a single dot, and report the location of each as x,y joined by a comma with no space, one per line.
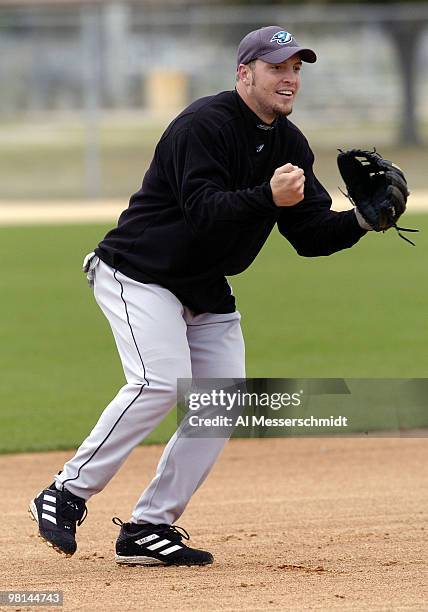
271,88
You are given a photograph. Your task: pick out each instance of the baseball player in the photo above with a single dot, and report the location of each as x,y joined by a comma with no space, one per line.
228,169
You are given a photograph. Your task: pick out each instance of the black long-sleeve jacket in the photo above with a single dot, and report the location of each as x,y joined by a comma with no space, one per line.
205,207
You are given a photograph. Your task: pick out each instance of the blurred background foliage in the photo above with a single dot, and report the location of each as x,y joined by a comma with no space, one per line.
87,88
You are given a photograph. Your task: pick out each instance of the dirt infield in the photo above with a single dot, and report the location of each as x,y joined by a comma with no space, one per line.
293,524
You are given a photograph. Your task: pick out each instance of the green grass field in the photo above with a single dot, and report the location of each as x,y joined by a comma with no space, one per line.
359,313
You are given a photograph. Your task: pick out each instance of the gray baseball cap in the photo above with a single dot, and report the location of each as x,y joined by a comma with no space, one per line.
272,44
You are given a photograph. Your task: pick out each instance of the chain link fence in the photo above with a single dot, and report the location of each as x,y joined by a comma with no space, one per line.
126,62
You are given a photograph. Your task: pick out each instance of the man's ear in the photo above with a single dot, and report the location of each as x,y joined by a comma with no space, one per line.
243,74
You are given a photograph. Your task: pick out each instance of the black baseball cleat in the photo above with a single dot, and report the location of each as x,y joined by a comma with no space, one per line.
156,545
57,513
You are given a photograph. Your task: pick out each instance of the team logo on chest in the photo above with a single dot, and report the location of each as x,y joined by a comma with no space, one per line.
259,148
282,38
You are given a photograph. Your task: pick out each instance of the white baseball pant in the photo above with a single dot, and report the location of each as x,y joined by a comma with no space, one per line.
159,340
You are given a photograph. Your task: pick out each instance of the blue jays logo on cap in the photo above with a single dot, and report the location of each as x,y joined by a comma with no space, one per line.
282,38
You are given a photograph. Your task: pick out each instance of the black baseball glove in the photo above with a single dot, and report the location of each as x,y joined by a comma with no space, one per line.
376,187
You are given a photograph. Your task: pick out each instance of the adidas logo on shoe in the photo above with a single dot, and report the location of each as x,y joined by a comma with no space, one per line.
156,545
48,510
57,514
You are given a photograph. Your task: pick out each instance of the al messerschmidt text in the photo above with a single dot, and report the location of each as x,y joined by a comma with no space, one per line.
253,420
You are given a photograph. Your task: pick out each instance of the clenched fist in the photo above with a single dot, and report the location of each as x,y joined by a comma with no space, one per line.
287,185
